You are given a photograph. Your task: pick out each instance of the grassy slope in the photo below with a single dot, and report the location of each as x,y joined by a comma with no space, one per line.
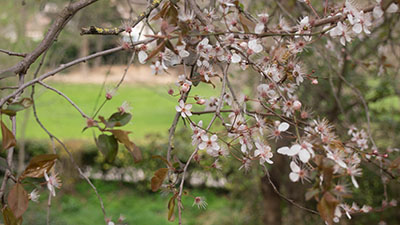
153,109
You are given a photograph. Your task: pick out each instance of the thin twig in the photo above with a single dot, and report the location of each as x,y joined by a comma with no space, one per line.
66,97
10,53
284,197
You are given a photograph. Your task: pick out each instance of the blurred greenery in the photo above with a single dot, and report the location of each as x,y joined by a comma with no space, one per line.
153,109
138,206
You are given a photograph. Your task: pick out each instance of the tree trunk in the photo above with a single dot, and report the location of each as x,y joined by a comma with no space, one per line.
272,213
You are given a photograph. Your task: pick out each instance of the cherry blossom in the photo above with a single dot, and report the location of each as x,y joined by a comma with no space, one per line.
264,152
52,182
262,21
34,196
254,47
125,107
184,109
200,202
297,173
278,128
209,143
342,31
197,133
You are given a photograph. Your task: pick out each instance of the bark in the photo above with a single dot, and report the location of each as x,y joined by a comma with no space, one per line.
272,213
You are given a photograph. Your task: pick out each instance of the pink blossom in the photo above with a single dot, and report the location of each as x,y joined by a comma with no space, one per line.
184,109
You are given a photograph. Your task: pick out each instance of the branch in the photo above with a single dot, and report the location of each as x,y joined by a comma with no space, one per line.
284,197
10,53
115,31
64,17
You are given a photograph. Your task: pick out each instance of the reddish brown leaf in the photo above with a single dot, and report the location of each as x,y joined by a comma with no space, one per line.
8,139
246,23
158,178
38,165
122,136
158,49
162,12
327,206
172,15
18,200
395,163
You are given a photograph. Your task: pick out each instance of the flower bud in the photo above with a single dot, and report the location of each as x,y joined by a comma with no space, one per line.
314,81
297,105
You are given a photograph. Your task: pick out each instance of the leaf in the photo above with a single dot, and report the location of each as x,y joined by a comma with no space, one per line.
395,163
18,200
122,136
327,173
327,206
246,23
108,145
196,78
13,108
156,50
311,193
158,178
3,164
171,208
162,12
38,165
172,15
118,119
8,139
9,218
162,158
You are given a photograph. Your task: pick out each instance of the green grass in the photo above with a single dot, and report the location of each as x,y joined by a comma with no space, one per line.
153,109
139,207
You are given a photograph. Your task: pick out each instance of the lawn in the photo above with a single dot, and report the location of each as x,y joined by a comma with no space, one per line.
139,207
153,109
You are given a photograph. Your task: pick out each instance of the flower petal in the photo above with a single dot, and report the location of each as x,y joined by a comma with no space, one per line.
283,127
304,156
294,177
283,150
142,56
294,167
294,150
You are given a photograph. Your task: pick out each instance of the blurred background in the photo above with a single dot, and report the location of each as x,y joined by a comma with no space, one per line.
233,197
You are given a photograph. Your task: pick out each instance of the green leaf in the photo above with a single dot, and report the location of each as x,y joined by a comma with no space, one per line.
108,145
8,139
311,193
18,200
163,159
118,119
171,208
196,78
9,218
38,165
13,108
